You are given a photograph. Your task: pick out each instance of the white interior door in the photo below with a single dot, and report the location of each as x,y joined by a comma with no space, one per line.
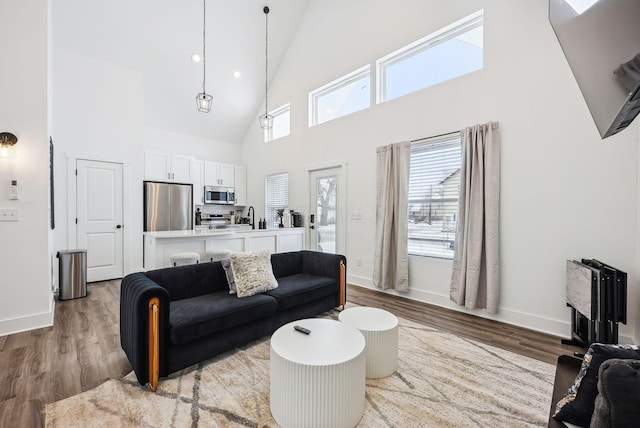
327,231
99,218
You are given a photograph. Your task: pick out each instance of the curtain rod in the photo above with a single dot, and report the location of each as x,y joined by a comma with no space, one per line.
434,136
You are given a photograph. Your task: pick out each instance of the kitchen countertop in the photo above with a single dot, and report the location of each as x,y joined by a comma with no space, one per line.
229,230
189,233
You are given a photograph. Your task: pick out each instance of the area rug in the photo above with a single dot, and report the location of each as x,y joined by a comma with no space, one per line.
442,381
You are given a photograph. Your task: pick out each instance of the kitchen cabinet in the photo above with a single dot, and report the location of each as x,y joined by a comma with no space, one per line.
240,179
218,174
162,166
197,175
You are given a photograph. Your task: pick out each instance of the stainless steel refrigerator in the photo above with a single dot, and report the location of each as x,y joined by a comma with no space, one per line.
167,206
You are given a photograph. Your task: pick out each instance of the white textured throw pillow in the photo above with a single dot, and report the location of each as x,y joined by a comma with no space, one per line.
253,273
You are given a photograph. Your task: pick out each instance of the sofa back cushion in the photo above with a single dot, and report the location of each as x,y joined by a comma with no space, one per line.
184,282
286,264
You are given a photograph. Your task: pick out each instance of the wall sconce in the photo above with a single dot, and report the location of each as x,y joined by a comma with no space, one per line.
7,141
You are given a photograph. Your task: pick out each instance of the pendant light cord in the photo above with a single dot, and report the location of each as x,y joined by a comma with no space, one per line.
204,46
266,59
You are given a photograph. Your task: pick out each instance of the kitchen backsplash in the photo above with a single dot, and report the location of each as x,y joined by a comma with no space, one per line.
221,209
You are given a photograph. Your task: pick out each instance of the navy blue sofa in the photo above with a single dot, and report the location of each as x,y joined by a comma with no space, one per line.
174,317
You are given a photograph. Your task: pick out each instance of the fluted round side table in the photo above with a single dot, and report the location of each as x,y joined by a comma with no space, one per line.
380,330
317,380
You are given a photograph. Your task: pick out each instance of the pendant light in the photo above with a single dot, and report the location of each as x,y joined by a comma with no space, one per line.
266,120
203,100
7,141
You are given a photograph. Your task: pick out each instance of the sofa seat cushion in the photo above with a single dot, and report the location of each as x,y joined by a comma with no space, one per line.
302,288
198,317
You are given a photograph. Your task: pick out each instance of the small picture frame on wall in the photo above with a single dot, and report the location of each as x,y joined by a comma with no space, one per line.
52,218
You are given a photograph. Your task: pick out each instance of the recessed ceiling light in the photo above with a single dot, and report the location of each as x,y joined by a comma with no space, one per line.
237,74
195,57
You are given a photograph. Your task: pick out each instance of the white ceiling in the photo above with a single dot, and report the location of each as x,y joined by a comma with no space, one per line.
157,37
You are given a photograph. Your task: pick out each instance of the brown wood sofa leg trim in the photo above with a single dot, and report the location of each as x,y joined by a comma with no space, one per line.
343,284
154,343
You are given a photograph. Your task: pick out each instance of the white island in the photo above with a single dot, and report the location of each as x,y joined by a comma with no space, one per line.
159,246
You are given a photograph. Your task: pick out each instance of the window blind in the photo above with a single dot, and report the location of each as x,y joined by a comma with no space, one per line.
276,197
434,188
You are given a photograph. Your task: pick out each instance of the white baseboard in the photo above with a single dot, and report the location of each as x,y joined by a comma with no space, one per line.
560,328
539,323
29,322
517,318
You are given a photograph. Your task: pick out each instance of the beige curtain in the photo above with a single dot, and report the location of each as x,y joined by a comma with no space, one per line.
391,266
475,282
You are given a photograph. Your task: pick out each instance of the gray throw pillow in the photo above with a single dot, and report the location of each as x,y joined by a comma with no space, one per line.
616,405
228,270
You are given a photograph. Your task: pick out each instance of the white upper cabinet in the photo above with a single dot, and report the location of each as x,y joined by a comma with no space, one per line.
163,166
181,168
240,178
227,175
219,174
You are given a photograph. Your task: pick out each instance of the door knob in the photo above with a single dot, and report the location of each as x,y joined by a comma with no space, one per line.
119,226
312,227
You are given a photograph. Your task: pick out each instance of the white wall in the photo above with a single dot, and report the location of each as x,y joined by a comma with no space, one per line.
99,113
25,264
555,167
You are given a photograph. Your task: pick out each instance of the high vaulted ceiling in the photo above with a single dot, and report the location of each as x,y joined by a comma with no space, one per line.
156,39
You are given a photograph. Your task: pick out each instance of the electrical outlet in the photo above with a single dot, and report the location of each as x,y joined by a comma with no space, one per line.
9,214
358,262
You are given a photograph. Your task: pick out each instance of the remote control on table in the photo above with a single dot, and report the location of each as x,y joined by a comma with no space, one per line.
302,329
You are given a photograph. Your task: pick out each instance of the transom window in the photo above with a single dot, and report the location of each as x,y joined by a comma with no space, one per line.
434,189
281,123
448,53
341,97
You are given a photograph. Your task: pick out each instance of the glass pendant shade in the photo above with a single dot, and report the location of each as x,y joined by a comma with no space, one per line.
266,121
204,101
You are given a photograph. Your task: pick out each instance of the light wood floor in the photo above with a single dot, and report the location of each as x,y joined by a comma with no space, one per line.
82,349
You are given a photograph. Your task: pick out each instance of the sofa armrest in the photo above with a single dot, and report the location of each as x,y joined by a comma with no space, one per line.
327,265
567,369
136,292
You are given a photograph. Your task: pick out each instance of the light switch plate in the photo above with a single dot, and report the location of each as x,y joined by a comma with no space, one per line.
9,214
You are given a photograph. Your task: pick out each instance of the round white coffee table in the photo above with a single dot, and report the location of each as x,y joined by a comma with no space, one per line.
380,329
317,380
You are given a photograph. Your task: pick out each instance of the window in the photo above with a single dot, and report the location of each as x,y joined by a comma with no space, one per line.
344,96
281,123
434,188
451,52
276,197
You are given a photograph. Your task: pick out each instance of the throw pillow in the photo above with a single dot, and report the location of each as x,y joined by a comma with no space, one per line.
617,402
228,271
576,407
252,273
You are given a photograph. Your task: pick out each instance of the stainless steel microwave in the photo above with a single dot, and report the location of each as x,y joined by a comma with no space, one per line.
219,195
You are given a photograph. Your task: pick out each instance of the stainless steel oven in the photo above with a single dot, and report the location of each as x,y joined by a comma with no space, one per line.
219,195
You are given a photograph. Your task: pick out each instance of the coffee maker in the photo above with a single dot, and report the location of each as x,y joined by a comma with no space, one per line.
296,219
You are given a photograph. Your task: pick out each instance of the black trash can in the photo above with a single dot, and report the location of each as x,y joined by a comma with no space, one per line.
72,274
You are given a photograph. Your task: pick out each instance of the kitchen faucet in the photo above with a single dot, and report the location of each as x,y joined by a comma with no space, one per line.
253,216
